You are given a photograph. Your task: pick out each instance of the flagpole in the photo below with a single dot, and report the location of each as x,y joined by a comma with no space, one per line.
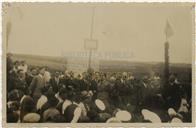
166,37
168,33
166,68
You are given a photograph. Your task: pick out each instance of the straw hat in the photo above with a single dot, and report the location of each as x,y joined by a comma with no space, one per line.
41,101
171,112
100,104
123,115
31,118
176,120
113,120
149,115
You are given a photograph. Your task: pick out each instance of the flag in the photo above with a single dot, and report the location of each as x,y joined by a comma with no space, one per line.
168,30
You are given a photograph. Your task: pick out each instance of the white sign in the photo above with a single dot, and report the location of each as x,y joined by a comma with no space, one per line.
79,65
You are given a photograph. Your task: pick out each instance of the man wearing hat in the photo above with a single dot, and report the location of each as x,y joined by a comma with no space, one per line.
97,111
42,100
72,112
55,82
13,110
31,118
51,111
62,96
46,76
12,77
65,81
9,62
30,75
173,114
23,66
37,84
27,106
173,93
20,81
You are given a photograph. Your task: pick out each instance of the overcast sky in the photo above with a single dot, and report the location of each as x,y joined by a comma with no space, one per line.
52,29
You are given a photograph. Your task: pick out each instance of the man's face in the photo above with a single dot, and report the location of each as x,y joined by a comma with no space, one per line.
57,74
34,72
63,95
9,56
79,77
21,74
22,62
42,71
17,64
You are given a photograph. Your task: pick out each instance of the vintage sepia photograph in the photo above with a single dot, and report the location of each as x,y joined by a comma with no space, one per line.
98,62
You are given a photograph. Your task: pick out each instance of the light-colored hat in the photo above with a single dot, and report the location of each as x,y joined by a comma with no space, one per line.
90,93
84,93
65,104
123,115
100,104
112,78
31,118
66,72
124,73
183,106
176,120
81,76
41,101
113,120
149,115
171,112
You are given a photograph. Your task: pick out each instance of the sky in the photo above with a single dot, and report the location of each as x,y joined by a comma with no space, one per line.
52,29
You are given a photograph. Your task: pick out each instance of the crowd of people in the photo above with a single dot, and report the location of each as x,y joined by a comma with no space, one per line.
38,95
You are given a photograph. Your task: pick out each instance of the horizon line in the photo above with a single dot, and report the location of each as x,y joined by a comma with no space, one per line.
136,61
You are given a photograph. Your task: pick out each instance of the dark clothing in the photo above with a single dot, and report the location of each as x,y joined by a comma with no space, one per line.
35,87
69,112
27,106
173,94
83,85
55,83
21,84
11,80
93,86
29,79
59,107
43,109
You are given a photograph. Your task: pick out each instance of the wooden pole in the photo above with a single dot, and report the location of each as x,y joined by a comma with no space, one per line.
166,68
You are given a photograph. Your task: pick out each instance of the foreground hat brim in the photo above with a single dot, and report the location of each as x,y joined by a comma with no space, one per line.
100,104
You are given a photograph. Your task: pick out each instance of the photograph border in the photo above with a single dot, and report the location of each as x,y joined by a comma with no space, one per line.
5,124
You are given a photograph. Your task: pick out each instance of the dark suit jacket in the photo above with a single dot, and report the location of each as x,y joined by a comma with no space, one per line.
55,84
35,87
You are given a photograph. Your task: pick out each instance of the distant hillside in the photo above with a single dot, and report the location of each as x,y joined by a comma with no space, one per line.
138,68
58,63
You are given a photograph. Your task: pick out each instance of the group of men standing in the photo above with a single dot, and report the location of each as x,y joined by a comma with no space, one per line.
40,96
